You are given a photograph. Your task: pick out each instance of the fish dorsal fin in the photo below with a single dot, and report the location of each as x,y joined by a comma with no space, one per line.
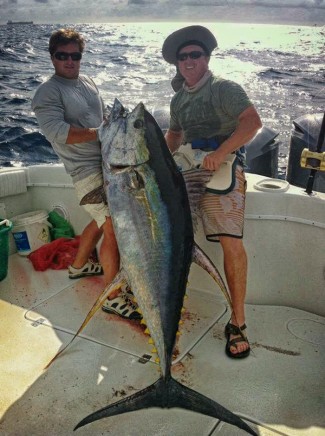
117,110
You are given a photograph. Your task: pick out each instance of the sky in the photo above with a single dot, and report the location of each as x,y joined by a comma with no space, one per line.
307,12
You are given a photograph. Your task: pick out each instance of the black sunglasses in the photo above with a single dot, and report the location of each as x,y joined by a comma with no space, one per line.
192,55
64,56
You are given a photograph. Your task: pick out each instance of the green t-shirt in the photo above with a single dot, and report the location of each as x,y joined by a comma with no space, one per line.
212,111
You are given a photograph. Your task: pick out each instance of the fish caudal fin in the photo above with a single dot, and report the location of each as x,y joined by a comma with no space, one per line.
168,393
148,397
186,398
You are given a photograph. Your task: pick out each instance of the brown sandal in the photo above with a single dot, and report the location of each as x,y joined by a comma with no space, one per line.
232,329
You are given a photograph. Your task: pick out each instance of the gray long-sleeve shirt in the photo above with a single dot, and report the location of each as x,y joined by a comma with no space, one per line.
59,103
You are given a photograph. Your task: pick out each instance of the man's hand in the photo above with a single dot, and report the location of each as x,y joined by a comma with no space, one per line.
248,124
100,129
77,135
212,161
173,139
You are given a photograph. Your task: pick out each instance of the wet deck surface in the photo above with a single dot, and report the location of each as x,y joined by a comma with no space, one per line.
279,389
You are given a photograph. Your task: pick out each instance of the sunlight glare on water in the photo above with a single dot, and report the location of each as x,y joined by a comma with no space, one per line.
281,67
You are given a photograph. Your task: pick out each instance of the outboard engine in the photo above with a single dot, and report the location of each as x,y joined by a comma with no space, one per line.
262,153
306,130
162,117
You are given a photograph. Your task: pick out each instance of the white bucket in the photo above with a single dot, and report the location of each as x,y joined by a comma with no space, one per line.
30,231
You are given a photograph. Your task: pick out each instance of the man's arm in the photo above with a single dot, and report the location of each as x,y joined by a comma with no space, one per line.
79,134
173,139
50,114
249,123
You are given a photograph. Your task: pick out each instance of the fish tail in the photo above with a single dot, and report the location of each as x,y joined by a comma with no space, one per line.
186,398
148,397
168,393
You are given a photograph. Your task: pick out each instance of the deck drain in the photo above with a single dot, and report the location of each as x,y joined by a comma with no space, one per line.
38,322
145,358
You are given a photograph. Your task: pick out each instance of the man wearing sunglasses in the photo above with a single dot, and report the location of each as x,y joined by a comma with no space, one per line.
217,117
69,110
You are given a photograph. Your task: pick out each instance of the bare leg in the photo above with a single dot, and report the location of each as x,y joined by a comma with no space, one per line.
235,265
88,241
109,254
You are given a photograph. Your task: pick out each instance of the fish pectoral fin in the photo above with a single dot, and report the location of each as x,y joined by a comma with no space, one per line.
95,196
117,282
202,260
168,393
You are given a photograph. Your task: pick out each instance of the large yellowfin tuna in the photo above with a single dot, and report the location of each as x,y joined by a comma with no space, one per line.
151,214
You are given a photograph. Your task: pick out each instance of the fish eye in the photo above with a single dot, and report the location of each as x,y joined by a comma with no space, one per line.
138,124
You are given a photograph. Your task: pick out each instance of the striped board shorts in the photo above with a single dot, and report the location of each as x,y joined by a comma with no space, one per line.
223,215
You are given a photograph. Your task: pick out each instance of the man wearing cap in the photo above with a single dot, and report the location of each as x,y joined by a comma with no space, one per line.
215,115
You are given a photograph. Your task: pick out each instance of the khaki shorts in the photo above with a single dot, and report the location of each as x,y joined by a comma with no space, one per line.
223,215
99,211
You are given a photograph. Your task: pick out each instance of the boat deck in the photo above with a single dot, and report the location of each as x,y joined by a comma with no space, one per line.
279,389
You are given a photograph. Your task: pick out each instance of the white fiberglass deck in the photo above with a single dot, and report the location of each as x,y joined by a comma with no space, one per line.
279,389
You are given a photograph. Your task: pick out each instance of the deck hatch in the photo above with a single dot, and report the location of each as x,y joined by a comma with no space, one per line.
66,310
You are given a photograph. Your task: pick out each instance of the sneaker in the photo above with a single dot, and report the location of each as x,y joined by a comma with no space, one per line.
122,305
89,269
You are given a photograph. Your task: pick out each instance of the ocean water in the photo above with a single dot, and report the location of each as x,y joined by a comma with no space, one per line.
281,67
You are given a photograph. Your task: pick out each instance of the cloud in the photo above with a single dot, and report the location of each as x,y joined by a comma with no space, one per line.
6,3
78,11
